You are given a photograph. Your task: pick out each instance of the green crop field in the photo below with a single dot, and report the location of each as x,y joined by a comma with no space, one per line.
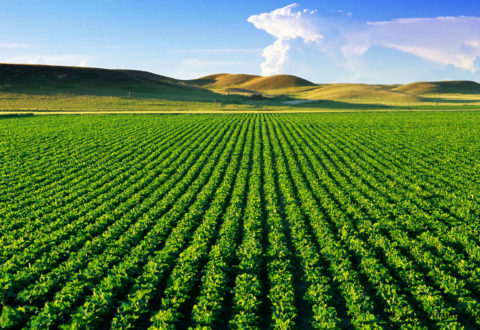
337,220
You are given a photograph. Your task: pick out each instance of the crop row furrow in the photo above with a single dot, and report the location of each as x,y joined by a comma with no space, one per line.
88,192
146,286
120,208
167,200
189,263
444,316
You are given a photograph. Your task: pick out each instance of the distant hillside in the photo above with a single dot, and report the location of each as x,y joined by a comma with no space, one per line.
276,82
45,79
233,89
446,87
223,80
358,91
251,82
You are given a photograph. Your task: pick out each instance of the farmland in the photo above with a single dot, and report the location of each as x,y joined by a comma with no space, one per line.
242,220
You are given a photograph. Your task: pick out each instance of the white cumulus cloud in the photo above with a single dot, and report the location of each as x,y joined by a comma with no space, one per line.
446,40
285,24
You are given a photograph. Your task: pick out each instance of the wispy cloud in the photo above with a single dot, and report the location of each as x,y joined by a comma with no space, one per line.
61,59
215,51
14,45
446,40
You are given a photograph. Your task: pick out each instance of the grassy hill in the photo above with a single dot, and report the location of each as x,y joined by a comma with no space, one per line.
53,80
251,82
441,87
419,93
43,87
352,92
222,80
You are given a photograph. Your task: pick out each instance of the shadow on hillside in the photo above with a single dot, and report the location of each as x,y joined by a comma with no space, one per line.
329,104
202,81
443,100
73,81
172,93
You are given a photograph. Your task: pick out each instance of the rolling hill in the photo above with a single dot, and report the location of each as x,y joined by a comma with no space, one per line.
296,87
51,80
61,87
374,93
441,87
251,82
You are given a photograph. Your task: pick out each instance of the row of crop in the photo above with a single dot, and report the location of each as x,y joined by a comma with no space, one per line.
47,261
360,307
168,199
319,290
31,209
460,234
85,196
118,280
248,286
37,153
71,163
398,308
68,145
383,202
215,282
452,260
58,310
353,208
146,286
344,199
189,263
143,203
429,194
278,256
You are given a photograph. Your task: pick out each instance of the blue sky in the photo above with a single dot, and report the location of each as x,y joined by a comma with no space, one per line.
324,41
